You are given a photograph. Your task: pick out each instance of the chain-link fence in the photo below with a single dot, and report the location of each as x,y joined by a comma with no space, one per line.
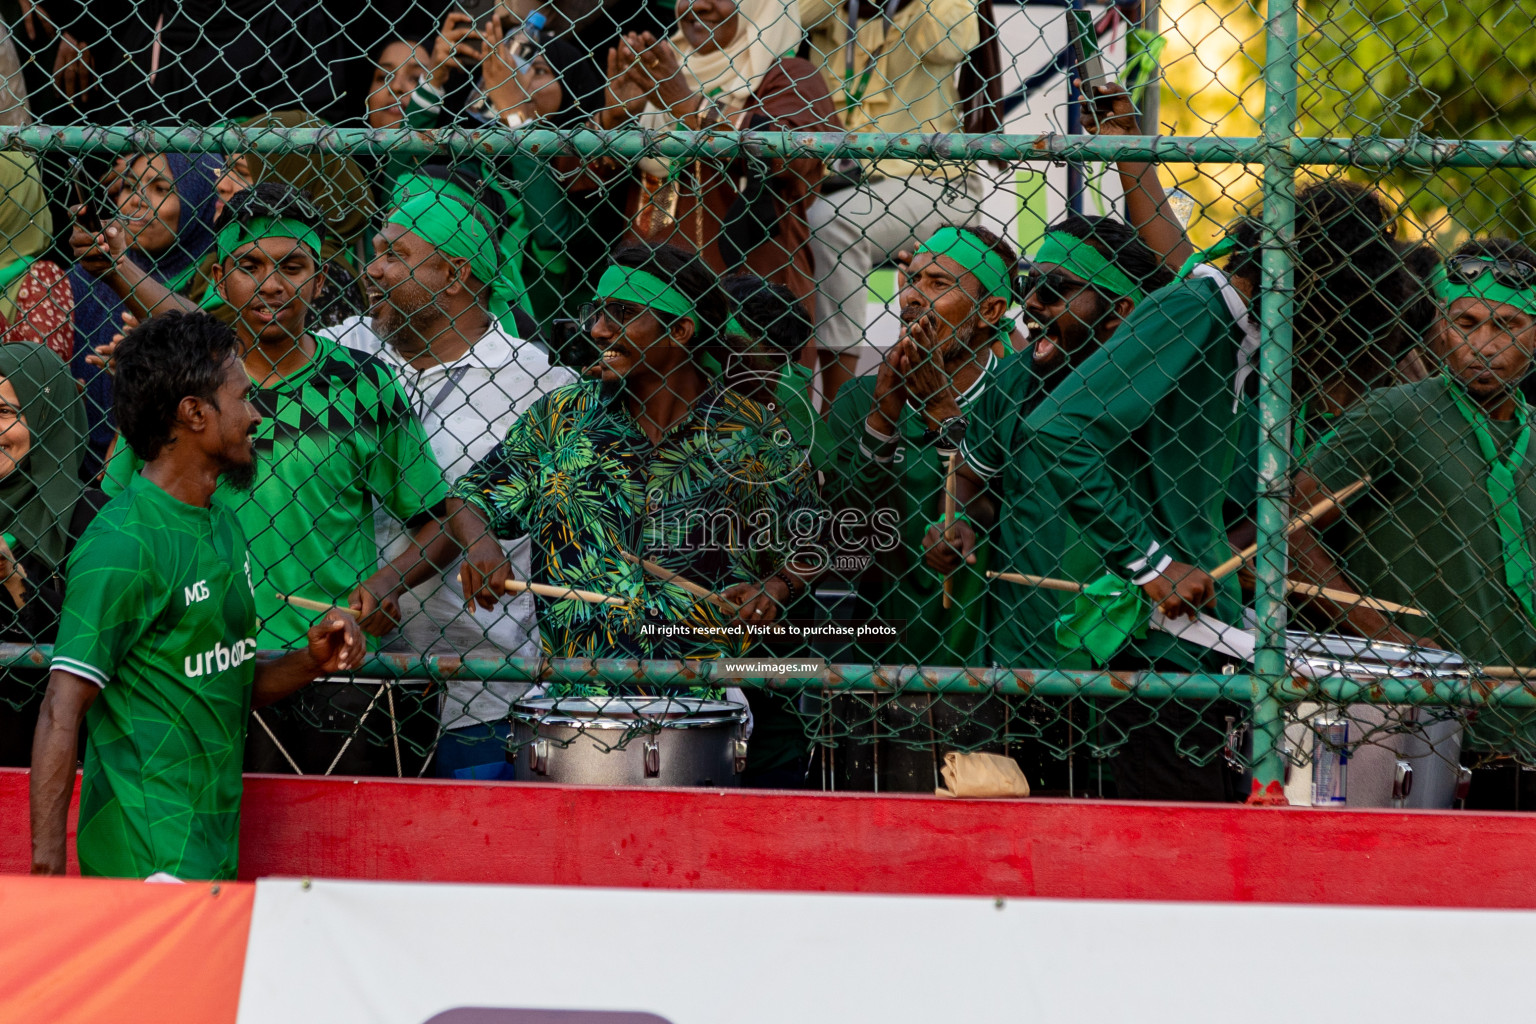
793,391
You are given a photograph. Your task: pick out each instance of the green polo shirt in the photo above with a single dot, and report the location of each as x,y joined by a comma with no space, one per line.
882,505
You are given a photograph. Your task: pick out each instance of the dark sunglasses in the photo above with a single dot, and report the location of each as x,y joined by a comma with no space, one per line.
1051,287
617,313
1509,273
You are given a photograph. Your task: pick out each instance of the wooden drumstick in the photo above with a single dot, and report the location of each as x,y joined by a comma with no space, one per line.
1043,582
314,606
1506,672
949,521
558,593
1234,563
668,576
1348,598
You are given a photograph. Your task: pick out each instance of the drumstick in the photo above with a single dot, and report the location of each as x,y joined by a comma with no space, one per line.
557,592
1346,597
1043,582
668,576
949,521
1234,563
314,606
1507,672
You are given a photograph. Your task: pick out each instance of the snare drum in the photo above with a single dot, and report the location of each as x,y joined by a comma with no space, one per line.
630,741
1424,744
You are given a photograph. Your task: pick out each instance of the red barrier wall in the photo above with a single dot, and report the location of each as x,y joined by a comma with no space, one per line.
565,835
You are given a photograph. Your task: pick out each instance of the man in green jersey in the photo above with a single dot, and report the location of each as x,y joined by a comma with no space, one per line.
338,438
1448,523
157,646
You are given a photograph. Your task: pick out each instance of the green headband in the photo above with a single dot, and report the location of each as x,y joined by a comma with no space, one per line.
1072,253
235,234
1483,287
975,256
630,285
449,225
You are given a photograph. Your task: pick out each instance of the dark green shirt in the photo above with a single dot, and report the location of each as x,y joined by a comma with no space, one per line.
1033,534
890,501
1423,533
1140,439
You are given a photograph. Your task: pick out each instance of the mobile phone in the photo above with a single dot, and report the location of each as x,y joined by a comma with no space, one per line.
87,196
1085,44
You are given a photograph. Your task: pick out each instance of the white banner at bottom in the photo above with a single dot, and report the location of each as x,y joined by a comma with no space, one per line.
394,953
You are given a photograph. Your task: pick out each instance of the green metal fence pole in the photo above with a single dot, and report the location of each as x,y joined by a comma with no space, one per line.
1276,305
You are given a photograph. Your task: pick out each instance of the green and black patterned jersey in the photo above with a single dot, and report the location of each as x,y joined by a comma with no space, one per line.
159,612
336,438
722,499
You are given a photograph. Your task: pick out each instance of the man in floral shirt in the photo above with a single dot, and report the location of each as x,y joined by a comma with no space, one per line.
654,456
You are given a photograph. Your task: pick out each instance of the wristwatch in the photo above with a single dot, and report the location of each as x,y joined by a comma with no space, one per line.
950,433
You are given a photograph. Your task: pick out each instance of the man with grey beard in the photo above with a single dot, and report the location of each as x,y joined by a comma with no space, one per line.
468,379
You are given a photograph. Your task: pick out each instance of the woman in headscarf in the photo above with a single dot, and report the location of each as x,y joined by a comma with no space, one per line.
35,297
339,189
160,233
730,64
42,429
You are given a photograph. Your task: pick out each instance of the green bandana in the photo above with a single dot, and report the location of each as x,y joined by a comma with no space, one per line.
409,186
1519,572
1072,253
1483,287
235,234
628,284
974,255
1106,615
443,221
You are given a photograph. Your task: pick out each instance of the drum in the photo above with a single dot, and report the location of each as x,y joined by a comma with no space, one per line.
1397,755
629,741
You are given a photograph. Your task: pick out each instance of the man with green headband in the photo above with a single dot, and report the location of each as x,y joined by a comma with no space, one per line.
463,223
650,456
468,379
885,453
1087,275
1448,523
887,444
338,440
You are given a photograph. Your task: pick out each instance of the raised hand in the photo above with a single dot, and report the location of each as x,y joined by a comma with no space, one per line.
456,48
1121,118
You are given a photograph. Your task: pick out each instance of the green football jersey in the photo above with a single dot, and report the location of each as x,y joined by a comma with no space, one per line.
159,611
336,438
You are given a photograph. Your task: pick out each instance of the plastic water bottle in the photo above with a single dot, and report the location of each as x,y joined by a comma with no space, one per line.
526,44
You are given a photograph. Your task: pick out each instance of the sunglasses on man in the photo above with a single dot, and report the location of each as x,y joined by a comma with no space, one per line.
1051,287
1506,272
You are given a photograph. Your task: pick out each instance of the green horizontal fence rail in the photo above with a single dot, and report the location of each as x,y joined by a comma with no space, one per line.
1365,152
1464,689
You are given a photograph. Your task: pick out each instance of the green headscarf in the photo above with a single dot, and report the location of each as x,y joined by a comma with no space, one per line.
1072,253
443,220
37,498
26,225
